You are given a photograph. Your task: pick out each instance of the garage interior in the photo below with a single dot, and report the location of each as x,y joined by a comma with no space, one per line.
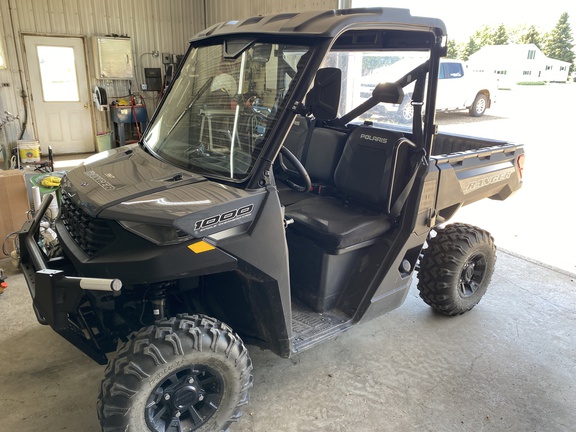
510,364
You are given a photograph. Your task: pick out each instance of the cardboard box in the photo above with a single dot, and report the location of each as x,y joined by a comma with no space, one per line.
14,203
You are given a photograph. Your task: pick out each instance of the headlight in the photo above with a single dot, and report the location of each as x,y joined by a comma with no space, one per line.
158,234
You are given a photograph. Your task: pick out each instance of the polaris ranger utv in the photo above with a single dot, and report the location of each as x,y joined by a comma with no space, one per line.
264,198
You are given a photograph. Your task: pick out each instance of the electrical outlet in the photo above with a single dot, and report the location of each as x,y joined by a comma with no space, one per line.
144,86
166,58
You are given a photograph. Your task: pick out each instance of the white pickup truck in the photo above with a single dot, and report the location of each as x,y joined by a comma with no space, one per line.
458,89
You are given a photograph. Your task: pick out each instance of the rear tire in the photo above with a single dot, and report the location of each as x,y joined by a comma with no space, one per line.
456,268
189,373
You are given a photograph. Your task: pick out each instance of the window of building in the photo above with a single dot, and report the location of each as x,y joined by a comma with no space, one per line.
527,73
531,54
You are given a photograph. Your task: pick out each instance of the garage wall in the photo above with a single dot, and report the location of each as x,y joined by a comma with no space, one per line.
224,10
162,25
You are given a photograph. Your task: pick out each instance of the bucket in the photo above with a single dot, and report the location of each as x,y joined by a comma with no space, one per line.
29,151
103,141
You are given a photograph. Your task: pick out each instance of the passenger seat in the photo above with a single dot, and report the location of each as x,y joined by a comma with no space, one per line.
370,174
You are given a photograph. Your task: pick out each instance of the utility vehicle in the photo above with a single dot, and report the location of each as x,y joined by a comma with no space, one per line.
277,215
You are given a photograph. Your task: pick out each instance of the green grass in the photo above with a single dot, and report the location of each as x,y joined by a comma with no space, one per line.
531,83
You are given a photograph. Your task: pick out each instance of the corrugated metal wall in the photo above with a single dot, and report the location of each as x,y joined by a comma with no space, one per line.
162,25
224,10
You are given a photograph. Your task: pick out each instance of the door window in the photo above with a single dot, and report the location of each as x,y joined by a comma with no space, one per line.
451,70
58,74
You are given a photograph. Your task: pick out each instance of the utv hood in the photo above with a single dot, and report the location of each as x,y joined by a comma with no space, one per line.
128,184
120,175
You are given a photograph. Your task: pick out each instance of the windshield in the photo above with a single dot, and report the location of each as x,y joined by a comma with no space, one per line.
215,118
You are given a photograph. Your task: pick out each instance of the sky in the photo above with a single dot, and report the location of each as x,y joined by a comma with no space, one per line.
464,17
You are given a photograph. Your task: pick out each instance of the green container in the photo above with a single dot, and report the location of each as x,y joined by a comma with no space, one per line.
104,142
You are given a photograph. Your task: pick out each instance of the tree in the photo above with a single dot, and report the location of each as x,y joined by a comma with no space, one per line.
499,37
483,36
452,49
531,36
560,42
470,48
371,63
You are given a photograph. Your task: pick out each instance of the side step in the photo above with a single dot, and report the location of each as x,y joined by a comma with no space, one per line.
310,328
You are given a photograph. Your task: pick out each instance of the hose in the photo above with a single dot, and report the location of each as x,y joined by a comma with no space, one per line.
5,242
25,122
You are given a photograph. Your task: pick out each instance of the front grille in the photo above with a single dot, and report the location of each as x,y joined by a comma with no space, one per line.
91,234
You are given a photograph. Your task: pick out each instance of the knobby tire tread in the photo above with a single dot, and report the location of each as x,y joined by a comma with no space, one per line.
145,350
441,264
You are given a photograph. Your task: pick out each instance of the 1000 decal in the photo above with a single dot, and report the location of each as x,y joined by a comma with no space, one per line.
224,218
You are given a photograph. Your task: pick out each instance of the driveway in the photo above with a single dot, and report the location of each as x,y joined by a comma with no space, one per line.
536,222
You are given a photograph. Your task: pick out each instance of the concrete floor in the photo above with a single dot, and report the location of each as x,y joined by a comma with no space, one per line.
508,365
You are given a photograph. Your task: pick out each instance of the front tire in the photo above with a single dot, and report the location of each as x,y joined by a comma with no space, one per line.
189,373
456,268
478,108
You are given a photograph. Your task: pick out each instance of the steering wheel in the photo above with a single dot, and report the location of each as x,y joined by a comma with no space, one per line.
300,171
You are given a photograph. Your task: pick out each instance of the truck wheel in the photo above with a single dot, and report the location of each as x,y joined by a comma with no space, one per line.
406,109
456,268
478,108
189,373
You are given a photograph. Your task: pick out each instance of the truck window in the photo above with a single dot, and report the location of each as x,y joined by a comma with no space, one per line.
451,70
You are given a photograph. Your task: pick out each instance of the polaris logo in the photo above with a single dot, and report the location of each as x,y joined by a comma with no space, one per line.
223,218
374,138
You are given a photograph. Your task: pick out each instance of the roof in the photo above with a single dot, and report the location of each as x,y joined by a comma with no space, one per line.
321,24
511,52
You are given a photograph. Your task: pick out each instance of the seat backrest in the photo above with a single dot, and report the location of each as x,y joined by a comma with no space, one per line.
319,149
373,167
324,151
297,136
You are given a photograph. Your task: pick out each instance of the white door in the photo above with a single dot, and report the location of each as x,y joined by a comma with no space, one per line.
61,96
452,90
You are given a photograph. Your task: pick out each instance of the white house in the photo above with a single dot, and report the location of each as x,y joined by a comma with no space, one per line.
518,63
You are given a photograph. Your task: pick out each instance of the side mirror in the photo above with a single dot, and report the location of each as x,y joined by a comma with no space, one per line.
324,98
261,53
388,93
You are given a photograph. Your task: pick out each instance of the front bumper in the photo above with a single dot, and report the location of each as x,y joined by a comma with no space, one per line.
54,295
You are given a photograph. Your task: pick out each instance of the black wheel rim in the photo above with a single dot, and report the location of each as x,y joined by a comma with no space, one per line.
184,400
472,275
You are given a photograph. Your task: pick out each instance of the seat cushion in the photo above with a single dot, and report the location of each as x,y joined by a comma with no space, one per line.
330,224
